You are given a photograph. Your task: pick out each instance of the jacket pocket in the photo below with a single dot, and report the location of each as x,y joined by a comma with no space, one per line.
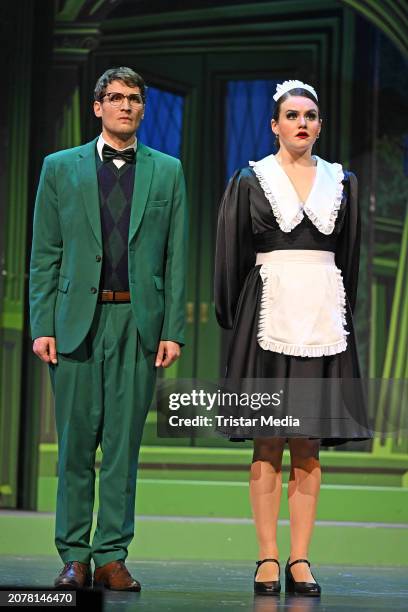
63,284
156,203
158,281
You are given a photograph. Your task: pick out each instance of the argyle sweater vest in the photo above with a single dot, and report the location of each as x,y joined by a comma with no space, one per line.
115,199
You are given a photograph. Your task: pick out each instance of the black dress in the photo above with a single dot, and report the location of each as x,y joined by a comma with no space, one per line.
246,226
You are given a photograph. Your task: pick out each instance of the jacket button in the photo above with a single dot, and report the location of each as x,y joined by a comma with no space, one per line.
94,290
98,258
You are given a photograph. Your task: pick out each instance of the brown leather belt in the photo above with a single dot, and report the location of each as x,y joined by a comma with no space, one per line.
114,296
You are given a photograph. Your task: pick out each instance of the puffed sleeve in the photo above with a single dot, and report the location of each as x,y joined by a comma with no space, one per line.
348,248
234,255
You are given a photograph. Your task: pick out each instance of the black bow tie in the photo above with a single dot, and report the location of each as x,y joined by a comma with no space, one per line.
108,153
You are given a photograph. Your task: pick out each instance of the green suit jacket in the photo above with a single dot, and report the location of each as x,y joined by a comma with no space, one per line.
66,254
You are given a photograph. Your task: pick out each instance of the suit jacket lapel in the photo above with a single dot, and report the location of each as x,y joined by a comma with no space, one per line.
88,181
143,179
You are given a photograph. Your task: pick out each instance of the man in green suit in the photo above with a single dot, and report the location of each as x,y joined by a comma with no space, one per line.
107,301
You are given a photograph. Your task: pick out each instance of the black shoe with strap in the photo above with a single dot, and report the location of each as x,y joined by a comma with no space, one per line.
270,587
311,589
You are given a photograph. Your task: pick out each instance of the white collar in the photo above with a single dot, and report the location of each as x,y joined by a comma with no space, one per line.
101,141
322,204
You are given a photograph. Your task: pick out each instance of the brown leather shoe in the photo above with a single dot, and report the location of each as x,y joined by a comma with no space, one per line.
75,575
115,576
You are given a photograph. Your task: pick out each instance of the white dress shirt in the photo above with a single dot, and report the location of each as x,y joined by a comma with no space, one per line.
118,162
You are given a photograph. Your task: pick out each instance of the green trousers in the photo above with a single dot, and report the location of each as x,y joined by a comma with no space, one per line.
102,394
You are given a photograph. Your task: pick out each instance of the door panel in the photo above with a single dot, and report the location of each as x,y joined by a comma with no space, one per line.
223,74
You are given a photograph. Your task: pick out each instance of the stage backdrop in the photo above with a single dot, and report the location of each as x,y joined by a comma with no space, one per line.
211,70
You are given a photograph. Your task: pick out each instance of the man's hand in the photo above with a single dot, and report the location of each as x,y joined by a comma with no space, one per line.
167,353
45,348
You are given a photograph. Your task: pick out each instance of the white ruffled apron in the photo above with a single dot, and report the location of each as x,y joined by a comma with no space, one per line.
303,308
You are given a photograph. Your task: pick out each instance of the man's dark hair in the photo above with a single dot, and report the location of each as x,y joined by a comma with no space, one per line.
127,75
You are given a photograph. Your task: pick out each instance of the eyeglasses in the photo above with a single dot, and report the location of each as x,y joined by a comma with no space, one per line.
116,99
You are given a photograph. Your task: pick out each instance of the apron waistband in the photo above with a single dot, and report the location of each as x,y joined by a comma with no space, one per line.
295,255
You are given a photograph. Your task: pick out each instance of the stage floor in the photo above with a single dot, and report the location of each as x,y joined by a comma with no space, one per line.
210,586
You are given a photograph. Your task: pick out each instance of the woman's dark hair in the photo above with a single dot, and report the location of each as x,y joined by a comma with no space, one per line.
298,91
127,75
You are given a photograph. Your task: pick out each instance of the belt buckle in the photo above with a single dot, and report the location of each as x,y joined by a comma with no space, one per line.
113,295
105,293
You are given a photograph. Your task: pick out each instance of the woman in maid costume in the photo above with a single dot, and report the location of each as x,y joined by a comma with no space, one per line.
287,259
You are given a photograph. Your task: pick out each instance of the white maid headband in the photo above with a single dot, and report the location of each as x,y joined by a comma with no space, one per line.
282,88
